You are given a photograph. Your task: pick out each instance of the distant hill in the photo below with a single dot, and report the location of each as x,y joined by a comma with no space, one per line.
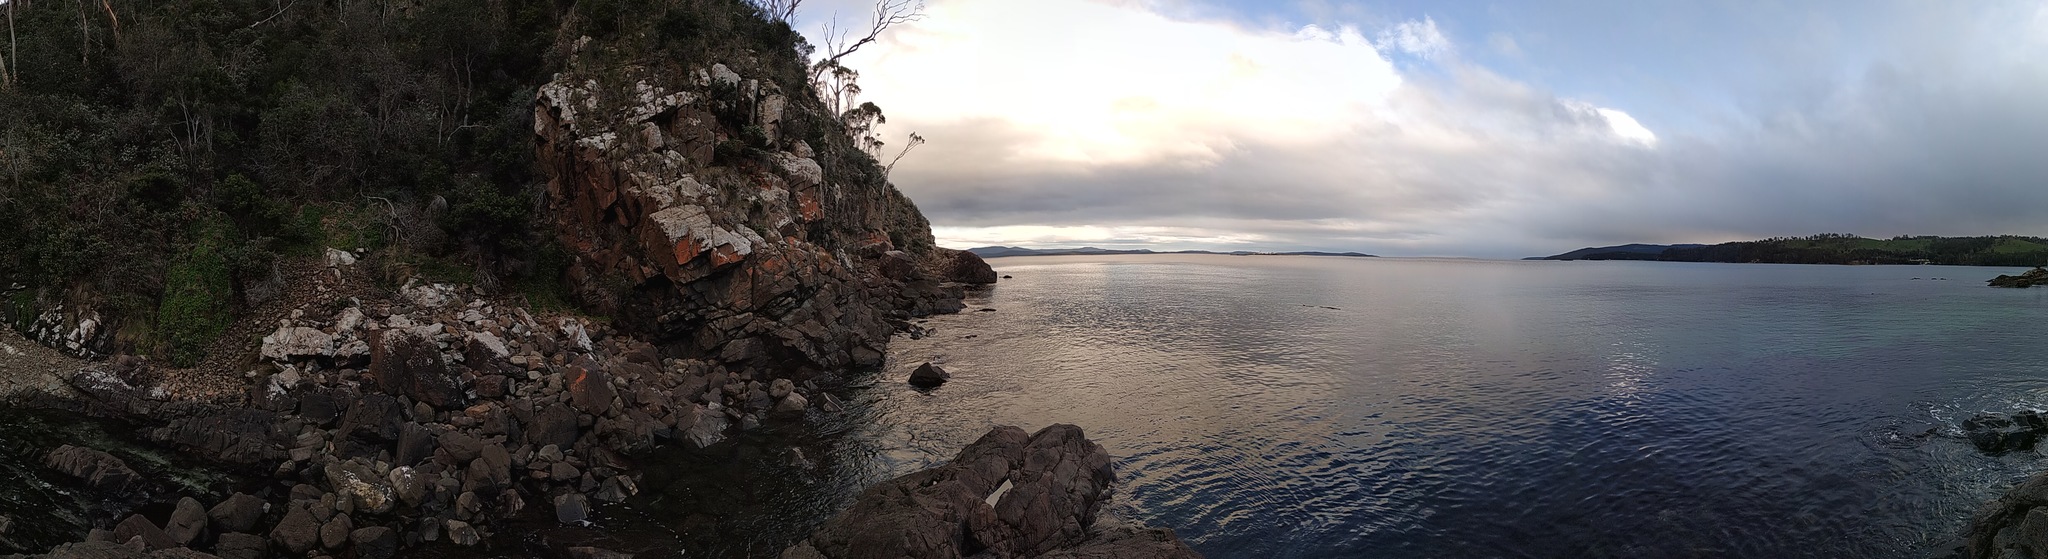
1835,248
1002,251
1617,252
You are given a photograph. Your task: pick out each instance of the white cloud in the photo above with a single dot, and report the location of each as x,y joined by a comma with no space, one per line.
1419,38
1130,127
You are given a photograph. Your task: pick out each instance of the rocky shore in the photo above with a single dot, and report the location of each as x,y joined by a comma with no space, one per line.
435,415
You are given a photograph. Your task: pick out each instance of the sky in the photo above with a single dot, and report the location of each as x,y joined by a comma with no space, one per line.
1480,129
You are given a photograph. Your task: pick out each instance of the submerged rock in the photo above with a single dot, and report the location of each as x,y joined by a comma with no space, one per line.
1998,434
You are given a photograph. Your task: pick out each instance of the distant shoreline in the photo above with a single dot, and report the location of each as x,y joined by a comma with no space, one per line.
1003,251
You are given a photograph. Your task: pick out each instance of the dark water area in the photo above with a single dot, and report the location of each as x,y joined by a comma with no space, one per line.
1297,407
45,508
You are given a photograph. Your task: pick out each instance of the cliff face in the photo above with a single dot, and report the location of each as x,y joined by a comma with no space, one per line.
696,218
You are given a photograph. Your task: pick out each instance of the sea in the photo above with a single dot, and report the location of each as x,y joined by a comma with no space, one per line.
1321,407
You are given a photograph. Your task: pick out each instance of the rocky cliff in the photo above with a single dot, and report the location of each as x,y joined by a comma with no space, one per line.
697,220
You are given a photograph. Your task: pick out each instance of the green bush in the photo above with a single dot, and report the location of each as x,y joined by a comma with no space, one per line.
198,294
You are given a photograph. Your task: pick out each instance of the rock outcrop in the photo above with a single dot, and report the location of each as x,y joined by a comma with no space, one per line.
693,218
98,469
1007,495
2036,276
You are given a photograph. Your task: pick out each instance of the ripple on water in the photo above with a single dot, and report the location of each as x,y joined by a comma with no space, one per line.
1496,409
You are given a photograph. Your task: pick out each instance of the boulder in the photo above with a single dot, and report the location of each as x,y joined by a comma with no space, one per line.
965,267
235,545
553,425
590,388
375,542
415,444
929,375
793,403
374,417
405,361
1006,495
135,526
187,523
461,533
298,533
365,489
98,469
238,513
334,534
297,342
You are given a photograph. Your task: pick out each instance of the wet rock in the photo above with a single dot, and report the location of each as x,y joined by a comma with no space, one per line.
928,375
571,508
187,523
98,469
375,542
235,545
238,513
298,533
1998,434
407,362
135,526
617,489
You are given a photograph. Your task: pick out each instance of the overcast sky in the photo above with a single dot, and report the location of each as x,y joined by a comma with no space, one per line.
1489,129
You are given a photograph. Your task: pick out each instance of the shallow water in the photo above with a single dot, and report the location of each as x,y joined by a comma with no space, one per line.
1343,407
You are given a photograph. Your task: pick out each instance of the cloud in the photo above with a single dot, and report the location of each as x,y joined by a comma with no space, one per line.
1068,122
1419,38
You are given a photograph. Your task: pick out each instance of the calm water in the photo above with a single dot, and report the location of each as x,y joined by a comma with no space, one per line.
1283,407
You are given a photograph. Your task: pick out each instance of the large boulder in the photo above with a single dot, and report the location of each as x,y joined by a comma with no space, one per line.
1006,495
296,342
187,523
99,469
408,362
238,513
964,267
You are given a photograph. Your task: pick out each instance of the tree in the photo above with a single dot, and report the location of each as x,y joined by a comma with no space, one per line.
888,13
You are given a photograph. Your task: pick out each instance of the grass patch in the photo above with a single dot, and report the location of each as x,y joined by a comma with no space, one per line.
198,295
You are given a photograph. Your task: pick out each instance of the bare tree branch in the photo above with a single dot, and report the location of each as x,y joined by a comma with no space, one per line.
888,13
779,10
915,140
13,51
